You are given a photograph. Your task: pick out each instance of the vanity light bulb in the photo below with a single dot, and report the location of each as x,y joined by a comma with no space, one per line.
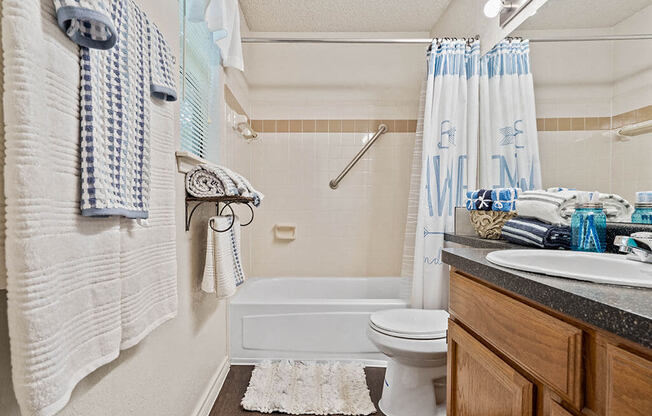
492,8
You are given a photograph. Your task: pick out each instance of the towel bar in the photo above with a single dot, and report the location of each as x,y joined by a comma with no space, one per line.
226,200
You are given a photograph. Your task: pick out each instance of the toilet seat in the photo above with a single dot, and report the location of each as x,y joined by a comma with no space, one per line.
415,324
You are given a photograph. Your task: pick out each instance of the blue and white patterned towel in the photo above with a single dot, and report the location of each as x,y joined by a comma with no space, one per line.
212,180
163,72
87,22
115,120
535,233
504,199
479,200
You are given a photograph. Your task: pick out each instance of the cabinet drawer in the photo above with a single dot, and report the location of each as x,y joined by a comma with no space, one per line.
629,384
546,347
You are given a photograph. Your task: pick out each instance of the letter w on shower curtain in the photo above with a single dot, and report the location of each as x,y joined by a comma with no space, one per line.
509,150
450,142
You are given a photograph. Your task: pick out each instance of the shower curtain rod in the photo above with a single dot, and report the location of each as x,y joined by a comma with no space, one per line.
428,40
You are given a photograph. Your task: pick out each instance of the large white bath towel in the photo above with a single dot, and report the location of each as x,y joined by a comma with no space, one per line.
79,288
223,267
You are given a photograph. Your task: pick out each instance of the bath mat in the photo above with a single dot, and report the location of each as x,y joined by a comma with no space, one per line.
311,388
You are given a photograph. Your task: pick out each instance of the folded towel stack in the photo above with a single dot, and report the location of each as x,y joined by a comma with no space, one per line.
223,271
557,205
535,233
500,199
212,181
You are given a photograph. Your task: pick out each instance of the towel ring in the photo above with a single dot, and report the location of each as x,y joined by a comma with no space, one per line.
221,211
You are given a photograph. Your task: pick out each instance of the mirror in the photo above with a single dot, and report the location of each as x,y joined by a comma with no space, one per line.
588,92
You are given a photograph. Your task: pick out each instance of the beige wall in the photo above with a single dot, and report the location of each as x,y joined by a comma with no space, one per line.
167,374
594,79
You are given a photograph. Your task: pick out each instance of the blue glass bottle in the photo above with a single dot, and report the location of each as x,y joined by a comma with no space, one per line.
589,228
643,212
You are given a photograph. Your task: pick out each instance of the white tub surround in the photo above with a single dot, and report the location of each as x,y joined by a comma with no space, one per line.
309,318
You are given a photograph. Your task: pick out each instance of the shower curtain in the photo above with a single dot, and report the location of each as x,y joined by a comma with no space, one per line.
448,162
509,150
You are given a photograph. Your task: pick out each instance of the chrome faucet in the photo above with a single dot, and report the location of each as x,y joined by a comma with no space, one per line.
638,246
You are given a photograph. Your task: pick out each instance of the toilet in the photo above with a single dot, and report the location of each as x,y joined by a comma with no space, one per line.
414,340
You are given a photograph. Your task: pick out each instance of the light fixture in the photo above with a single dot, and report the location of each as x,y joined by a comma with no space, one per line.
492,8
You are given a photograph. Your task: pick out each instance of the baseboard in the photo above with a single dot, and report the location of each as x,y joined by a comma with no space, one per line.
213,389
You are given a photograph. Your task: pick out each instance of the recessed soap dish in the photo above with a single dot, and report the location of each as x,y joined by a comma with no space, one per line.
286,232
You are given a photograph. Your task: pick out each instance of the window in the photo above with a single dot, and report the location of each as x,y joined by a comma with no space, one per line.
198,75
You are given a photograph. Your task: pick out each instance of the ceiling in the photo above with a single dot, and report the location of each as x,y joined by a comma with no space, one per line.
583,14
342,15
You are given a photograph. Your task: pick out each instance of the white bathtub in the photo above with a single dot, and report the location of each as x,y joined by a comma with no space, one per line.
309,318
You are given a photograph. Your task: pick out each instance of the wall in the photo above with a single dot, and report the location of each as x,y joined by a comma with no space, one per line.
169,372
583,91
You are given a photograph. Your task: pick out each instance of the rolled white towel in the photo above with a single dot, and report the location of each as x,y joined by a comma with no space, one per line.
556,206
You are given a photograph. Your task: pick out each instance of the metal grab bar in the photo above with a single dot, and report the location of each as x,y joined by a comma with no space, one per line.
335,182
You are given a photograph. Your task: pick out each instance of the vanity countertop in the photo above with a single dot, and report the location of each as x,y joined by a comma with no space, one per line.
623,311
476,241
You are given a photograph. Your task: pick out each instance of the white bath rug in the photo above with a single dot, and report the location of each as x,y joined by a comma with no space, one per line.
311,388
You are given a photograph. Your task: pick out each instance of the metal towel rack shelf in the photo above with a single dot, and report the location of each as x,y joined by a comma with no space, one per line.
226,200
334,183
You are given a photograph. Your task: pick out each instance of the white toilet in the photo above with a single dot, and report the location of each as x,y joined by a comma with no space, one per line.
414,340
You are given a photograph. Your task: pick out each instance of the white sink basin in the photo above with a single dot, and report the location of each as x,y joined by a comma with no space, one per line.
613,269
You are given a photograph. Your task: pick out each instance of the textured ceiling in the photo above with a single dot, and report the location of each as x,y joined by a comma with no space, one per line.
342,15
582,14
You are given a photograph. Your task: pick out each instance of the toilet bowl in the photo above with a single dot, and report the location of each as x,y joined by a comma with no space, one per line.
414,340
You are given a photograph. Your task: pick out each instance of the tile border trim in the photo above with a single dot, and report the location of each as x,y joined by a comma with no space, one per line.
333,126
595,123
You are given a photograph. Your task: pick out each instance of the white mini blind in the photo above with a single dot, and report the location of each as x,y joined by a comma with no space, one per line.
197,49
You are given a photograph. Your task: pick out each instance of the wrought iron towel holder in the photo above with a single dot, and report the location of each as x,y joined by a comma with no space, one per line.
226,200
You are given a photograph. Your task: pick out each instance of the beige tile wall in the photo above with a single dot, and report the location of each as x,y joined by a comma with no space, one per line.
584,153
356,230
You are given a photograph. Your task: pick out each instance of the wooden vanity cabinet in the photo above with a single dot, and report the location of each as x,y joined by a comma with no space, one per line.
508,356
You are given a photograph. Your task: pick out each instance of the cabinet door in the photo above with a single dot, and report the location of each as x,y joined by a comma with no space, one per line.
629,384
481,384
555,409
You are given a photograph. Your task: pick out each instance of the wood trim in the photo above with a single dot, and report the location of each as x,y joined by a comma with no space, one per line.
231,101
213,389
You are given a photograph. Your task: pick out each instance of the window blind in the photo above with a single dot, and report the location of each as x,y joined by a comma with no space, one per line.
197,46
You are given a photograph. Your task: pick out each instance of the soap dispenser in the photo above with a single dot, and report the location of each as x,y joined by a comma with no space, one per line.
589,224
643,212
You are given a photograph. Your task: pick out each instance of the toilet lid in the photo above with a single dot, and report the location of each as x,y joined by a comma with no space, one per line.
411,323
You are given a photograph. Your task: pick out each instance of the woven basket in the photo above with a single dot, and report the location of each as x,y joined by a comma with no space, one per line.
488,224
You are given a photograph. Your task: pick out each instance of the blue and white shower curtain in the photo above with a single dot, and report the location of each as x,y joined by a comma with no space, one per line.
509,149
449,161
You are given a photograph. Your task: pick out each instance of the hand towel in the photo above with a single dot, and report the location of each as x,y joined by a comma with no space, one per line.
115,149
504,199
79,289
223,267
162,68
213,181
557,207
479,200
223,19
87,22
535,233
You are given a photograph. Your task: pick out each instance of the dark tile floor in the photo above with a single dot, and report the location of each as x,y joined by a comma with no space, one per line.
235,385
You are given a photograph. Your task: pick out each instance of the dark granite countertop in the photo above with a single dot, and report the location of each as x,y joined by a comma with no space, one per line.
623,311
476,241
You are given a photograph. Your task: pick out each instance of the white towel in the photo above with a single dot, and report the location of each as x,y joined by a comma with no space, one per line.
223,268
223,19
213,181
79,289
87,22
557,206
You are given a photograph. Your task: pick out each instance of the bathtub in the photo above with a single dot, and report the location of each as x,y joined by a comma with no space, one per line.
309,318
